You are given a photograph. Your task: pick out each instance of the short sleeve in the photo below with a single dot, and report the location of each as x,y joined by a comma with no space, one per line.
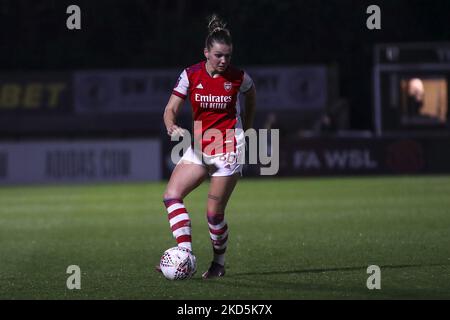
246,84
182,85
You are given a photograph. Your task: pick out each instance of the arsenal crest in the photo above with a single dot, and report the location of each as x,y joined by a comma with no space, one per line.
227,86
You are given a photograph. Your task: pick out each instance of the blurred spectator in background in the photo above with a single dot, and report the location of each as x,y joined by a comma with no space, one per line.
335,118
271,121
415,99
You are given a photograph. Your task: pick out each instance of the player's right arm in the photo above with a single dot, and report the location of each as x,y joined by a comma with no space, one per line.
170,115
176,100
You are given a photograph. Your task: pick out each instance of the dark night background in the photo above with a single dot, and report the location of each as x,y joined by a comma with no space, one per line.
158,34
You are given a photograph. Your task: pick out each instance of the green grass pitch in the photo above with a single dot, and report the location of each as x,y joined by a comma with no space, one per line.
308,238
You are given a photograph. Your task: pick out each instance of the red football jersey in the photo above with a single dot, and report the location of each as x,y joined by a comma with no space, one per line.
215,104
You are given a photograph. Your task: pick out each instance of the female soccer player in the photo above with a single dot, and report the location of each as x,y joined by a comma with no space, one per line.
213,87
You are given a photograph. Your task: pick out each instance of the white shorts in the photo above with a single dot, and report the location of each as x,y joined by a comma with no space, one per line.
222,165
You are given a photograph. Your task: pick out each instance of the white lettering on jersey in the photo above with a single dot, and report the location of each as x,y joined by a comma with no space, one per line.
212,102
212,98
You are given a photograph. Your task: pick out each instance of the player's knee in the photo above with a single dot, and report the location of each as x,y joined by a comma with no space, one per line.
172,194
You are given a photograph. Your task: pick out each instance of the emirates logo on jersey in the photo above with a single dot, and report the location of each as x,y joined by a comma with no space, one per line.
213,102
227,86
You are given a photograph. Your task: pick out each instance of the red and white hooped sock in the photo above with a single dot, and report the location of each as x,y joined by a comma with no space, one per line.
218,232
180,223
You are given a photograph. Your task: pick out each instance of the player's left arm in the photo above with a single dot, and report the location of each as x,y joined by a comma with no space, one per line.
250,107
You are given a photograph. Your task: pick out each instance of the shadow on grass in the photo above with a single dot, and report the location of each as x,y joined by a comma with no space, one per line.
251,285
337,269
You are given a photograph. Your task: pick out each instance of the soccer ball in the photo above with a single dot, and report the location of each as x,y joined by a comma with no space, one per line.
177,263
